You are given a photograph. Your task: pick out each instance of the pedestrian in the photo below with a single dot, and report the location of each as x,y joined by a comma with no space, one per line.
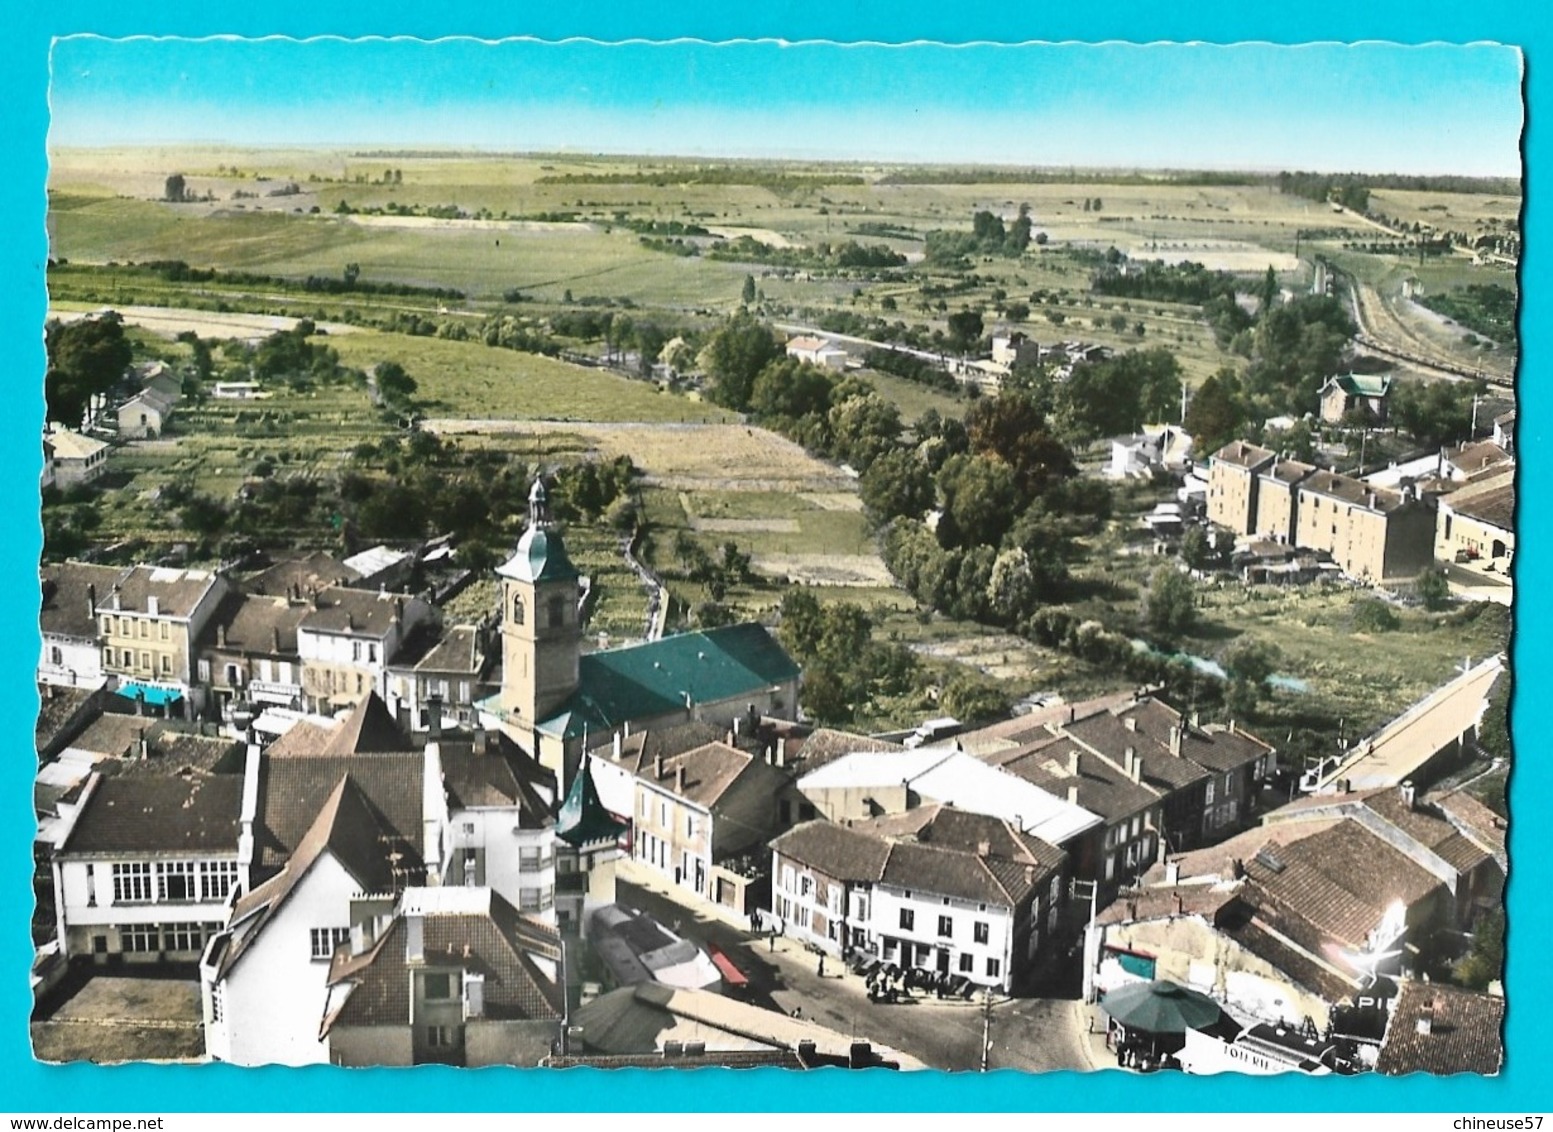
822,967
771,942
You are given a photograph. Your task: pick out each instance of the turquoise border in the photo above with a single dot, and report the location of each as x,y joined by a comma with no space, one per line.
23,94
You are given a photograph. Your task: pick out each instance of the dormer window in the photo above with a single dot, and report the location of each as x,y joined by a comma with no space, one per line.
517,609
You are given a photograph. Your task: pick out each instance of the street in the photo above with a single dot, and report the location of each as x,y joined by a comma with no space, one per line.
1032,1034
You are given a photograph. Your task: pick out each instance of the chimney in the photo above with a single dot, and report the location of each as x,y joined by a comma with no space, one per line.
983,848
615,752
781,751
312,596
1237,869
1196,718
398,610
220,635
730,737
1426,1018
434,716
144,751
1175,741
1409,795
350,621
153,606
735,733
859,1055
1130,722
1137,769
1072,795
414,938
1074,763
679,779
275,637
1172,872
657,766
1232,727
91,599
1128,755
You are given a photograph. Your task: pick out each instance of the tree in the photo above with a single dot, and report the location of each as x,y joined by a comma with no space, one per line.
1433,589
1170,606
790,390
1248,664
394,385
863,427
1494,731
1484,961
748,294
351,273
1216,414
896,484
1120,394
1267,294
1012,429
1435,413
980,499
970,700
965,329
734,356
1197,550
174,189
86,358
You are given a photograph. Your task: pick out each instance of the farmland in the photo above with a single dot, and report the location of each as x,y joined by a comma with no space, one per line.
499,261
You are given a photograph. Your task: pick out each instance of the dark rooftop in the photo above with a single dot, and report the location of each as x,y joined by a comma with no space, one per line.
198,814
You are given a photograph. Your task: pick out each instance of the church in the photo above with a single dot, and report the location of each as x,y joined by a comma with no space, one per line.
555,700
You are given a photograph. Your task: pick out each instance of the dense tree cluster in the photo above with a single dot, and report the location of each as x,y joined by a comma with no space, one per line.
1167,283
844,667
86,358
988,236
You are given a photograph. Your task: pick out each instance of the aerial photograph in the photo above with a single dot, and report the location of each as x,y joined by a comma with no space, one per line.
772,554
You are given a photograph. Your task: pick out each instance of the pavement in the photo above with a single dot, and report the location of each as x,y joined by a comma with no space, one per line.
1032,1034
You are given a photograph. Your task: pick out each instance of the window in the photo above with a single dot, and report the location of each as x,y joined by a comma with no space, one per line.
181,937
859,937
1209,796
439,1037
690,825
140,939
167,664
966,963
355,650
145,629
107,656
1051,918
469,829
471,867
127,658
1229,784
162,626
217,879
107,626
528,899
1035,945
994,968
528,857
217,1002
372,652
132,883
1056,889
517,609
437,986
145,662
981,931
805,886
945,927
645,804
175,881
908,920
323,941
56,656
124,630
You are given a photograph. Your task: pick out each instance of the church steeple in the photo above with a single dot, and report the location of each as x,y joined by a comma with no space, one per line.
582,818
541,630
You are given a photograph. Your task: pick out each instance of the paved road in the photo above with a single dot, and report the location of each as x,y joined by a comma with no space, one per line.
1031,1034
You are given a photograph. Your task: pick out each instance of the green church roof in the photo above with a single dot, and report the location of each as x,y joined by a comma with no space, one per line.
540,557
1363,384
645,681
583,818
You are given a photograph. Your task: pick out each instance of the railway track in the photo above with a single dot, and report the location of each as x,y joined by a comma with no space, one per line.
1412,351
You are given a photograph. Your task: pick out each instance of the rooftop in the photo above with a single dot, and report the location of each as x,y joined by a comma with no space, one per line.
250,623
171,814
67,597
1243,454
290,789
664,677
1437,1028
296,577
363,613
177,592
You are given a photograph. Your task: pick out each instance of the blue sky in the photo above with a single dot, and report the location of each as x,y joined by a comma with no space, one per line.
1369,107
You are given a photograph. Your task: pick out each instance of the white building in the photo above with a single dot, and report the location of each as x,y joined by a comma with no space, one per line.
78,459
144,872
72,649
347,639
817,351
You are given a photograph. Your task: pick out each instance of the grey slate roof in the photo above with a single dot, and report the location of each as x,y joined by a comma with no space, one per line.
67,608
199,814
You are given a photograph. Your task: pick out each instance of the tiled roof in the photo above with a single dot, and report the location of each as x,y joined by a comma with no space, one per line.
1335,485
71,445
1023,730
1161,770
1465,1032
498,944
368,728
298,576
177,592
176,752
1202,900
837,851
934,848
1473,818
348,827
303,738
1260,938
198,814
645,744
1495,506
494,771
1360,384
290,790
67,610
826,744
1242,454
1289,471
455,649
1422,823
1477,457
254,624
114,735
1103,788
709,771
60,709
1214,747
363,613
1341,880
658,678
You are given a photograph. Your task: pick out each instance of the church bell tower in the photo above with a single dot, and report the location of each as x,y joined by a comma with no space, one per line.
541,631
